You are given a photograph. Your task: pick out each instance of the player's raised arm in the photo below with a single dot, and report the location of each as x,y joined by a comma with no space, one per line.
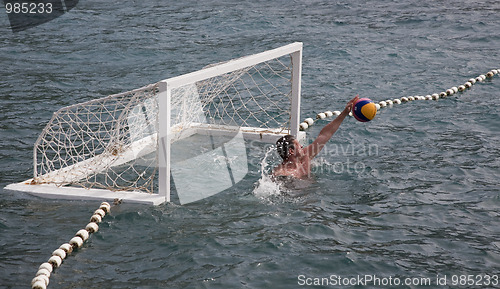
327,132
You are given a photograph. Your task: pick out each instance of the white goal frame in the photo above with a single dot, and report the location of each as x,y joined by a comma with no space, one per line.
165,133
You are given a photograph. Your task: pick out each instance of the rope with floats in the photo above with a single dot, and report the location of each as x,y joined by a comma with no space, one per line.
388,103
41,280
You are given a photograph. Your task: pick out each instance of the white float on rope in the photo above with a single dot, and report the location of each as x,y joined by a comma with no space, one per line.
100,212
67,248
47,266
43,271
56,261
105,206
92,227
96,218
84,234
40,282
76,242
60,253
43,278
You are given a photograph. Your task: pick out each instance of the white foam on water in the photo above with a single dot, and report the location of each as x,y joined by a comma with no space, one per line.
266,187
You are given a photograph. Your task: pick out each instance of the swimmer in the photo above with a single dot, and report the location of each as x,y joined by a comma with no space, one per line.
297,159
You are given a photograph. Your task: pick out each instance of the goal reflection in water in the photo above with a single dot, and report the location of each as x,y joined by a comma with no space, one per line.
204,165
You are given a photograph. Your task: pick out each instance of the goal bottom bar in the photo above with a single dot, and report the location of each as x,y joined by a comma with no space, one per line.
51,191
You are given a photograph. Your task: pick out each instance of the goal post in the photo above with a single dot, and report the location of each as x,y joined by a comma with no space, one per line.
164,140
120,146
296,58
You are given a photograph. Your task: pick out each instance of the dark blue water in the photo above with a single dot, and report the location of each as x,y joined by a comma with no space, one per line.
412,194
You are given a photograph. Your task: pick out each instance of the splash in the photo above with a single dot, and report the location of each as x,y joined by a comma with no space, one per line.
266,187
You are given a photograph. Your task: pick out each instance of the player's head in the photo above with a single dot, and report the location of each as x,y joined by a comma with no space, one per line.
284,144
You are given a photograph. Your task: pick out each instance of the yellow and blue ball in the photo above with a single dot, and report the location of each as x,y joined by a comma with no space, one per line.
364,110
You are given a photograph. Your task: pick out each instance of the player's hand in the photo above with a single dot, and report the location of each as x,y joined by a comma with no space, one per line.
351,103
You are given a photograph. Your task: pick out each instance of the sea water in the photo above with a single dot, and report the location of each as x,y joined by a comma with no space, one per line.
423,206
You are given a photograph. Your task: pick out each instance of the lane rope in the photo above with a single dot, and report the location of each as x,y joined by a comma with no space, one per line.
389,103
41,280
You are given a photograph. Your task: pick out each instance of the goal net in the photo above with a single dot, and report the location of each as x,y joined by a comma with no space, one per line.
124,142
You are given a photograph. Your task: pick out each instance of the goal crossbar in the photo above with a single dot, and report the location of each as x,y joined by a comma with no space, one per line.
233,65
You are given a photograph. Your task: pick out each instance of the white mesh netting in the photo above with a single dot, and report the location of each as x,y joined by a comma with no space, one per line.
111,142
93,145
